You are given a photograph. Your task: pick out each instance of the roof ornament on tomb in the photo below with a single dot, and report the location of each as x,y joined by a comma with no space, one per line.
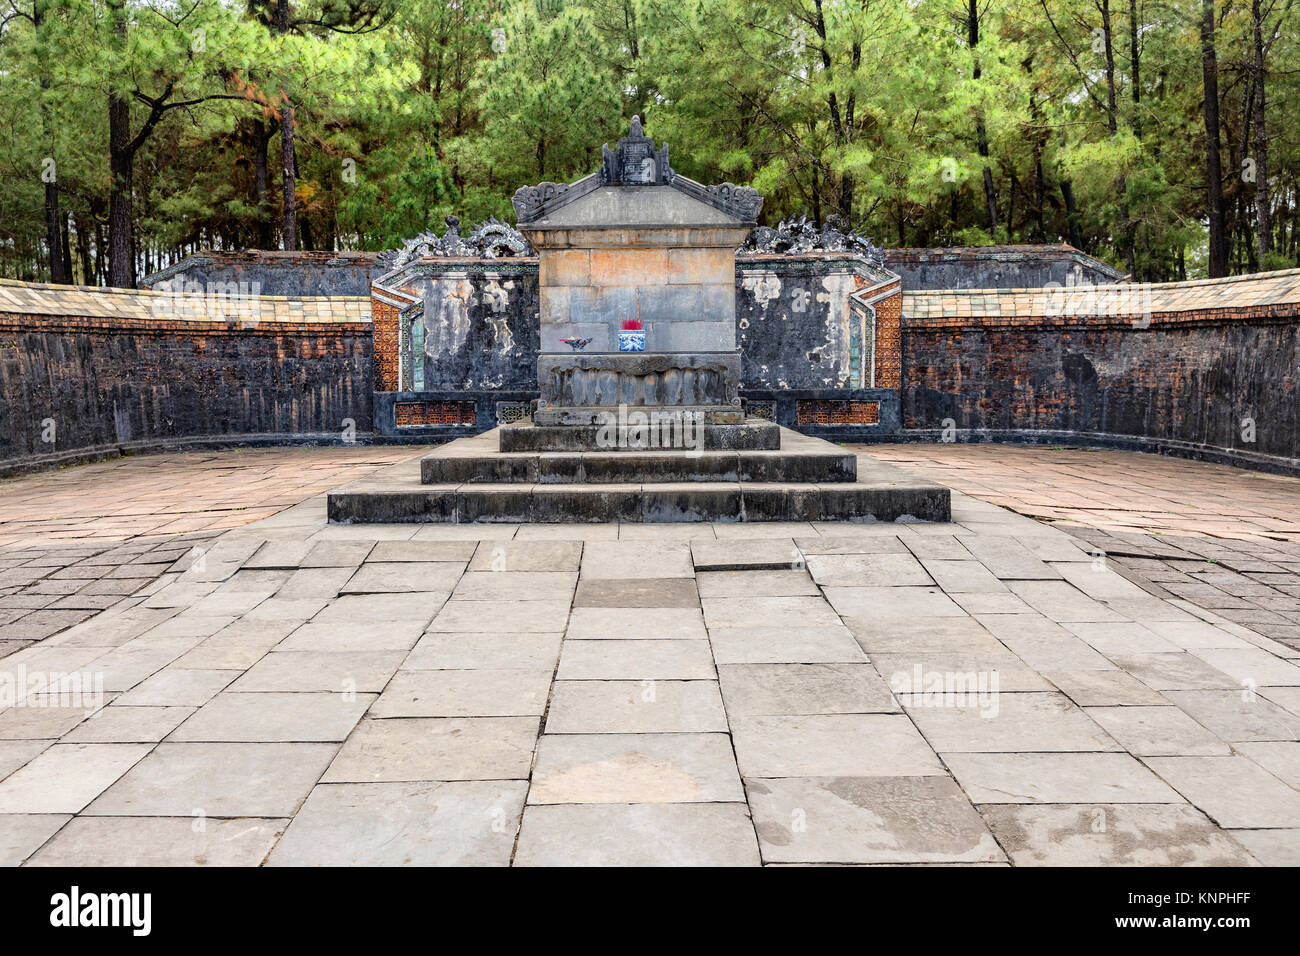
634,161
800,235
490,239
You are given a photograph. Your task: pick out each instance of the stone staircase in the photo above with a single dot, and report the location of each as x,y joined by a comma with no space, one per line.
753,471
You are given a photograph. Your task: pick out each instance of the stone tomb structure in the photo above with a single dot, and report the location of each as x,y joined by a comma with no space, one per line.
653,435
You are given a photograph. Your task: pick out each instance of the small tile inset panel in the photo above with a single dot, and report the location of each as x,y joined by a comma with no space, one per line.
510,412
838,413
759,409
416,414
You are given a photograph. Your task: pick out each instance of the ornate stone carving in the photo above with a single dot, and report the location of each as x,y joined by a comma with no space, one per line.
746,201
529,200
634,161
797,236
490,239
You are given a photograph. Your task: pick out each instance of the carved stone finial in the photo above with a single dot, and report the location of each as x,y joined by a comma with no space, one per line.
453,225
635,131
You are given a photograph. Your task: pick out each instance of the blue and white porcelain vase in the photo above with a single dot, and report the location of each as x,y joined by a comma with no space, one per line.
631,340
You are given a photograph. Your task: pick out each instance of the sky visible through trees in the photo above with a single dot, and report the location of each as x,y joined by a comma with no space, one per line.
1162,136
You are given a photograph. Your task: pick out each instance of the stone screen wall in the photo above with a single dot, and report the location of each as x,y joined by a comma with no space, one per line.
998,267
273,273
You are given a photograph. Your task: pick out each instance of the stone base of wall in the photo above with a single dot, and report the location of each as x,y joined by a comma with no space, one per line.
31,464
1271,464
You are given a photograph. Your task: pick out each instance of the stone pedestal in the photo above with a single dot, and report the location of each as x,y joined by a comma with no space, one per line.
583,388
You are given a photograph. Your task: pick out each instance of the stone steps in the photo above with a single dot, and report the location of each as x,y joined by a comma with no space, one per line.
667,502
493,486
749,435
599,468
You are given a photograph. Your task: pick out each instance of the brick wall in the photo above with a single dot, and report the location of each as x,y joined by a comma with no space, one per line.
1189,370
135,379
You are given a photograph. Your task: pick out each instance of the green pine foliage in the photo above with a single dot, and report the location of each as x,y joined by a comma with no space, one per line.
1079,121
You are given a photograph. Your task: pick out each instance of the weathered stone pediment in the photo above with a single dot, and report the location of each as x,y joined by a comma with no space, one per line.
636,163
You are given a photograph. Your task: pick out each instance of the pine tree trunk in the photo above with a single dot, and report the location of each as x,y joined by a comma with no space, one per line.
1218,258
289,226
121,264
1263,211
53,231
262,142
981,132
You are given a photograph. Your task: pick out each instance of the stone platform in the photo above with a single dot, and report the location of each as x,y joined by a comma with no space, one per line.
470,480
750,434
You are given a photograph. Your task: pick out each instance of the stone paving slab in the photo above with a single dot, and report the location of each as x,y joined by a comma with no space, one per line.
1057,778
160,841
436,748
217,780
1115,835
635,768
868,820
651,711
465,823
672,834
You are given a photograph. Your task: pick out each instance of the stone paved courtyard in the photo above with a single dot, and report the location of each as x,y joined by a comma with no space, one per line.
995,690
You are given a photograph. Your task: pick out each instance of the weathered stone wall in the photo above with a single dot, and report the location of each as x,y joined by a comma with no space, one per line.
273,273
997,267
109,380
1190,376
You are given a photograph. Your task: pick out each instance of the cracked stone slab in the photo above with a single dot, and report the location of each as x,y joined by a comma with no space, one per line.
1234,791
22,834
1057,778
868,820
160,841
